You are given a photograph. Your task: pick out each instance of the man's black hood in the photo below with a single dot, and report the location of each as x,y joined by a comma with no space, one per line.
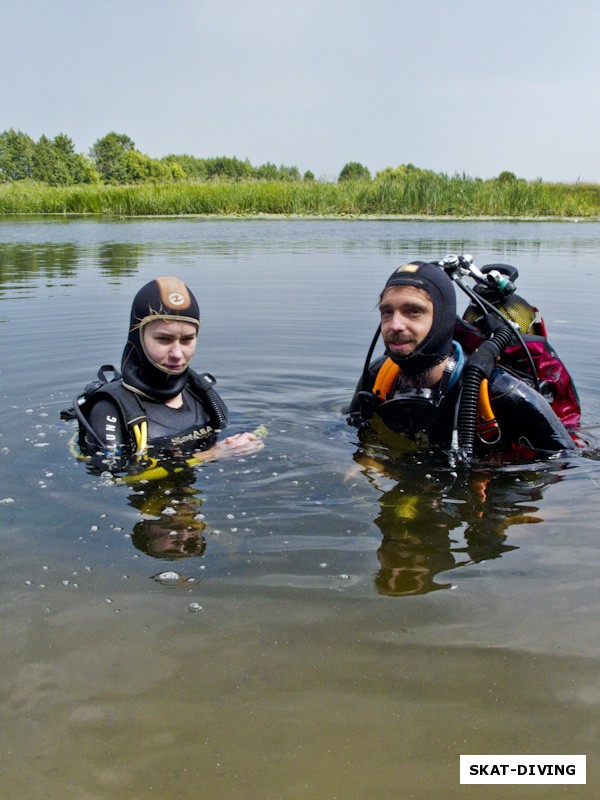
437,345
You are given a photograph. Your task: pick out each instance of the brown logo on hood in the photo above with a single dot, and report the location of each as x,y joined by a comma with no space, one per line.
173,293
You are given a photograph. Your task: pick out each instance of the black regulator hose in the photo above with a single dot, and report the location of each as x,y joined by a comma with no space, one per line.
479,366
215,405
489,308
365,372
467,412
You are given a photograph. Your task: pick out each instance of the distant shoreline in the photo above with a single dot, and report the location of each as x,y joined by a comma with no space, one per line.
315,217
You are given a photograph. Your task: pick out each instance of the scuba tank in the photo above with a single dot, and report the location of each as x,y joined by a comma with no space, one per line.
499,327
528,354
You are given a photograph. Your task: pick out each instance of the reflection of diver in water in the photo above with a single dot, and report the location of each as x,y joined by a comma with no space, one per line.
426,505
171,525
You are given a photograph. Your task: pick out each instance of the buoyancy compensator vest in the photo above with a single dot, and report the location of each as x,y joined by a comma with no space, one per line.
133,417
425,415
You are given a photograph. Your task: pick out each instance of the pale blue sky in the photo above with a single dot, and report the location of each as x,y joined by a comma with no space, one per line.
467,86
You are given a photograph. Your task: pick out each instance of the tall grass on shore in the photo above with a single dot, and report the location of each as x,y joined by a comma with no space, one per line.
432,194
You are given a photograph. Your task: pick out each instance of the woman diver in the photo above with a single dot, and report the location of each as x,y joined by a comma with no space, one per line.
158,402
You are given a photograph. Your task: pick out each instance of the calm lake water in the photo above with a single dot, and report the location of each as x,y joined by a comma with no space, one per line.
342,634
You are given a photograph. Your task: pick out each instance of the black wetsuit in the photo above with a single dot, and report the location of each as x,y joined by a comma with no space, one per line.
168,428
116,423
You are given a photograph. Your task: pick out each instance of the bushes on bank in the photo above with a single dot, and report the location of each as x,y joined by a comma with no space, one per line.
47,176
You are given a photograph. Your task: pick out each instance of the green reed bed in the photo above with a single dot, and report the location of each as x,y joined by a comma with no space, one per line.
457,196
418,194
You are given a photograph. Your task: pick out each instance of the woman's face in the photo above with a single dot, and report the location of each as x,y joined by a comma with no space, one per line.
169,344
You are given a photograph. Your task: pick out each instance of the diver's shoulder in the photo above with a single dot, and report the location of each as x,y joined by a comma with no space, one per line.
376,365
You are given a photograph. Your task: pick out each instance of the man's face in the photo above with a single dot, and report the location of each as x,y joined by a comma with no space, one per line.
406,318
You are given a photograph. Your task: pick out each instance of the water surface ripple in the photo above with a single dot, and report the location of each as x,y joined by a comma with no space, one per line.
353,630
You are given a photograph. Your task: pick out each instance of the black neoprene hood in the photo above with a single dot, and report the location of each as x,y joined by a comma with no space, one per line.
437,345
161,299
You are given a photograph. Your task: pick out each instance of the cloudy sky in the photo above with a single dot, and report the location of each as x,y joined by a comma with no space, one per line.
468,86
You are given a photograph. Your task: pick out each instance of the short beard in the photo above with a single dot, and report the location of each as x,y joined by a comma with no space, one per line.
419,380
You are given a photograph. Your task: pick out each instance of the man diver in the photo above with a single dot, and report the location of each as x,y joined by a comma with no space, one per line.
158,401
413,392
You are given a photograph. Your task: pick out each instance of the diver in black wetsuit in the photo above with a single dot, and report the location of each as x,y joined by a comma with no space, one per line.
411,394
158,402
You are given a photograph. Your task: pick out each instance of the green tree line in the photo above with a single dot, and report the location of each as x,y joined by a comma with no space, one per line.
114,160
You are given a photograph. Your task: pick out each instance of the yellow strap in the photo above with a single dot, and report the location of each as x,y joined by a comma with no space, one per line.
488,429
484,406
154,473
386,376
141,437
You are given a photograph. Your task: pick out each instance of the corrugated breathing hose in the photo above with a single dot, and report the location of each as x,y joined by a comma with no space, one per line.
479,366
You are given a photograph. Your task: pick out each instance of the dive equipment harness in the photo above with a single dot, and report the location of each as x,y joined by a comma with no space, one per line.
497,329
131,409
